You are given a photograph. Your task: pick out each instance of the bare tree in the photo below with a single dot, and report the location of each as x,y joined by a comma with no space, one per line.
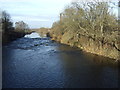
21,26
93,19
6,22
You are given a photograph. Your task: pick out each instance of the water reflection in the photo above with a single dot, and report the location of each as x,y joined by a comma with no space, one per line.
88,70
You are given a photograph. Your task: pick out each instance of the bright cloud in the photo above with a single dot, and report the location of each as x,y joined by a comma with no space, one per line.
42,11
37,13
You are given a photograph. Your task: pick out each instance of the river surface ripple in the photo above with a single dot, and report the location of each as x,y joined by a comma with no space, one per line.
42,63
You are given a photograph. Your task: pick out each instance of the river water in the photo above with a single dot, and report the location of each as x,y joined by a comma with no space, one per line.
36,62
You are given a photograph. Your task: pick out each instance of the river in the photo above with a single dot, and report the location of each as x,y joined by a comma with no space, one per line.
36,62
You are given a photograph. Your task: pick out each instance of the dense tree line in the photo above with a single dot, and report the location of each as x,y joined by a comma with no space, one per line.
92,19
6,22
9,32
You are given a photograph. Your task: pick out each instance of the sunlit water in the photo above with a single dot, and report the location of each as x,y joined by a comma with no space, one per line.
35,62
32,35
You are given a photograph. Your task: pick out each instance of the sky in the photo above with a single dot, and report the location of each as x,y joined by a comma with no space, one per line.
36,13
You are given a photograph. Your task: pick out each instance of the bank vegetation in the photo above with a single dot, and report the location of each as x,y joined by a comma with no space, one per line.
91,26
8,32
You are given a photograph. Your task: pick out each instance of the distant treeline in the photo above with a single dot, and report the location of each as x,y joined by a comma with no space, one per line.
9,32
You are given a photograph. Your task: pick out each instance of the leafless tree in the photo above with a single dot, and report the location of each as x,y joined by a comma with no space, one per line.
21,26
6,22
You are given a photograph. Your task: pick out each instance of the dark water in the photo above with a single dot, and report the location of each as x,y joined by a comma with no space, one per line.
42,63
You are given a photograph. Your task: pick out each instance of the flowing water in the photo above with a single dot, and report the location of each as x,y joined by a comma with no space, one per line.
36,62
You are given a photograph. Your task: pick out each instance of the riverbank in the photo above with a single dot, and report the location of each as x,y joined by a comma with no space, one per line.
89,44
108,46
12,35
89,29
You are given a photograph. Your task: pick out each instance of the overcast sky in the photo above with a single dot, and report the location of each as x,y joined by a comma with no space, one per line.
36,13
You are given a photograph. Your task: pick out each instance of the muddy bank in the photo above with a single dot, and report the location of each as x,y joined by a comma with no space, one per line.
90,44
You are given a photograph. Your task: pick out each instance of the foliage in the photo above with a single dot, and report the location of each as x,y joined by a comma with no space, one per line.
8,31
93,19
21,26
6,22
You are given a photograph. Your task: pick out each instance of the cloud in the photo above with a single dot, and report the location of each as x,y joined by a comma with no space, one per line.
26,18
33,6
35,21
34,1
94,0
35,11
